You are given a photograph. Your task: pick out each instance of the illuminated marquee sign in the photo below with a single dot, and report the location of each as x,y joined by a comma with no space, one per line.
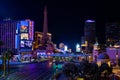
24,27
24,36
26,44
31,30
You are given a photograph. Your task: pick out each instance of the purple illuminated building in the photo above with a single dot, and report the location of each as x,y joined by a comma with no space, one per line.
90,34
17,35
7,34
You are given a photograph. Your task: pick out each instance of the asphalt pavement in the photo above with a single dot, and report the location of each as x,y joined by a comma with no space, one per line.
32,71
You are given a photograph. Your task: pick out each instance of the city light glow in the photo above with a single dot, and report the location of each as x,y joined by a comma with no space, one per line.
66,48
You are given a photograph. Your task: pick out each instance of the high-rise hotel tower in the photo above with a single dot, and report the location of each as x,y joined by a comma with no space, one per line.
90,34
16,35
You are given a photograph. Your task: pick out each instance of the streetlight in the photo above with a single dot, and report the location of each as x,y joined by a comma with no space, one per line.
117,58
117,47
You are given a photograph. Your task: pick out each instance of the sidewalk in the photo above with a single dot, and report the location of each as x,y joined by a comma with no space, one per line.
117,72
11,63
16,62
62,77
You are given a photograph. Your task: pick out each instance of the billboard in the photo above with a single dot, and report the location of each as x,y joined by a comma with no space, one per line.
24,36
26,44
23,29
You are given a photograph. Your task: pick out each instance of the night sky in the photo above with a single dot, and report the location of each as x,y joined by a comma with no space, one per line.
65,17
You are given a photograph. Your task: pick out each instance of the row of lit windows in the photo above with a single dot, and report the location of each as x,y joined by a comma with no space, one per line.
7,33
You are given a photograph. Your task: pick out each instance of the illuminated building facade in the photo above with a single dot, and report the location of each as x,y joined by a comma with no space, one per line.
7,35
95,51
83,45
112,33
38,39
77,48
43,39
26,33
17,35
90,34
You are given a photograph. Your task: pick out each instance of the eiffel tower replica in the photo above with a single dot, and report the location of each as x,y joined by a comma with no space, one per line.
46,43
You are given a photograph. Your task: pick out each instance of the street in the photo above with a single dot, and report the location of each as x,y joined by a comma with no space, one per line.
32,71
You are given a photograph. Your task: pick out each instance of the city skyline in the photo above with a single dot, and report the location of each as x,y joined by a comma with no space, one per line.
59,40
66,18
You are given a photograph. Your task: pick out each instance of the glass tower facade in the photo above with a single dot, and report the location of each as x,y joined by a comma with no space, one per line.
112,33
90,34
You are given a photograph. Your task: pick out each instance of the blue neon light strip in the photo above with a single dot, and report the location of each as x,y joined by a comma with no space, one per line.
16,41
25,23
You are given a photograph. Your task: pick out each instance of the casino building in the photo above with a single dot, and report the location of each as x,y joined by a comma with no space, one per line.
17,35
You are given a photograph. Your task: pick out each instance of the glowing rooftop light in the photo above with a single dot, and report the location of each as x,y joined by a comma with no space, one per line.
90,21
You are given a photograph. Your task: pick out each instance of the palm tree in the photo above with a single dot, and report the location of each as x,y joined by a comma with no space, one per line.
9,54
4,64
1,43
3,59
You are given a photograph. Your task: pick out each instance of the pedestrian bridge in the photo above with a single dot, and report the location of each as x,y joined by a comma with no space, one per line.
67,55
